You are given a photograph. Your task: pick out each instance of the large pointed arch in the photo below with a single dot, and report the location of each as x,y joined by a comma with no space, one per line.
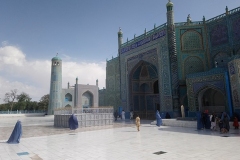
87,99
211,98
142,89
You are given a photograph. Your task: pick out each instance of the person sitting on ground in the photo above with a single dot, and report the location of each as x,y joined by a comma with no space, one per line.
138,122
16,133
73,122
235,123
225,121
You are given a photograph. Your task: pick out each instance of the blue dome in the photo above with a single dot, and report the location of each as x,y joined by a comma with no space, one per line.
169,4
56,58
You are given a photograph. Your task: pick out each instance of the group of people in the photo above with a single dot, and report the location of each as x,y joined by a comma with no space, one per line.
215,122
122,115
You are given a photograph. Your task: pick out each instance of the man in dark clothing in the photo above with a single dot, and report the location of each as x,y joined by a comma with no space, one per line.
115,115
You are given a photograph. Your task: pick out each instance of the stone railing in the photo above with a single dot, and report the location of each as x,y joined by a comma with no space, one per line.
86,116
191,23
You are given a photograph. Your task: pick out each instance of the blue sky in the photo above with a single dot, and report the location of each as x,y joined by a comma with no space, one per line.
83,32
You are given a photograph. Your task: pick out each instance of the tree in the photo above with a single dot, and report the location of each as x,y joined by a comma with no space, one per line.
43,103
10,97
23,97
23,100
33,105
3,107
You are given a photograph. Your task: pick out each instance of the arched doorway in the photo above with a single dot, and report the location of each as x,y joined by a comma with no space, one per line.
144,90
212,99
87,99
68,97
68,106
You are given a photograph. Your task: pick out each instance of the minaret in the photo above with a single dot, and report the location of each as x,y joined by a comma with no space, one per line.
55,99
76,93
120,36
172,54
97,82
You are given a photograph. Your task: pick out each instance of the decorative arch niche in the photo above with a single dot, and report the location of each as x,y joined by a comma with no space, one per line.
191,40
193,64
87,99
68,97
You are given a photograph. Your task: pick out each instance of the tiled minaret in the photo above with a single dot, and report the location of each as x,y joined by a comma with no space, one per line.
55,99
172,54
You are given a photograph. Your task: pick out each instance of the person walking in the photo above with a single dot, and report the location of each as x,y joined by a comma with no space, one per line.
213,121
131,114
137,122
159,119
123,115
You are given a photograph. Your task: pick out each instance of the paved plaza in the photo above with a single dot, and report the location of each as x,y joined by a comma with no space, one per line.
116,142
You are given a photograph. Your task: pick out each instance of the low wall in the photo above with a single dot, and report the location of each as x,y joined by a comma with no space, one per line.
23,115
86,116
85,119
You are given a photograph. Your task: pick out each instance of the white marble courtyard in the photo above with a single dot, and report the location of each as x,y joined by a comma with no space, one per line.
121,142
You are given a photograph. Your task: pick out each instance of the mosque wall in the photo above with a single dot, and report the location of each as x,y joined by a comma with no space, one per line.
191,53
234,75
191,49
201,46
112,94
224,37
152,47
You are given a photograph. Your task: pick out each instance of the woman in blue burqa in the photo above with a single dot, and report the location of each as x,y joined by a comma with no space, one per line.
16,133
159,119
73,122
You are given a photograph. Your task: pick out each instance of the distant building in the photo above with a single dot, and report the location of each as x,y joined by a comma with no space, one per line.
78,96
192,63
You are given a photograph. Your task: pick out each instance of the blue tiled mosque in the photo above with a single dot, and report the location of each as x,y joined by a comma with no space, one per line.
192,63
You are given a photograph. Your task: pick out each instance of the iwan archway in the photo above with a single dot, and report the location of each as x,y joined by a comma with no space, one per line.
87,99
212,99
144,90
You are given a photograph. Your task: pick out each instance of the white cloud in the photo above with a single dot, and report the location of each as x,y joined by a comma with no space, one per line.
11,55
33,76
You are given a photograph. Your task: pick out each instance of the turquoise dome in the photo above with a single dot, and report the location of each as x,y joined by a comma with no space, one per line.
56,58
169,4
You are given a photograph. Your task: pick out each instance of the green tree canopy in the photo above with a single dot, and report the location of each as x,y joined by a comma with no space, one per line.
43,103
23,97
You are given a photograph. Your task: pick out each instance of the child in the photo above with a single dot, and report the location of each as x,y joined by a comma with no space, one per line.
235,123
138,122
217,123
